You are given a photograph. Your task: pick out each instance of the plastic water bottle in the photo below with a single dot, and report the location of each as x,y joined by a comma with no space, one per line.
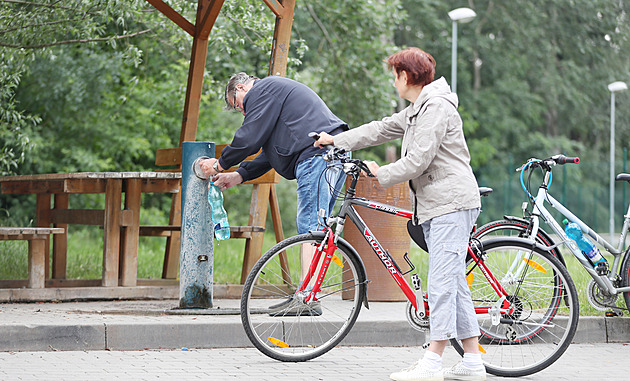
219,215
575,233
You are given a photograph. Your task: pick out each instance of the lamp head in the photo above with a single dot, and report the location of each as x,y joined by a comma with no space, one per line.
617,87
462,15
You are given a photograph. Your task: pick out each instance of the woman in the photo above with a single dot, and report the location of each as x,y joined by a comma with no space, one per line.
436,163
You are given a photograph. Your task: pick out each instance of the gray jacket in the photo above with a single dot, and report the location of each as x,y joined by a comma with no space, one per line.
434,155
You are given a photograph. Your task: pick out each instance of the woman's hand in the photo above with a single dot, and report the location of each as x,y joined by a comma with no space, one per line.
324,140
373,167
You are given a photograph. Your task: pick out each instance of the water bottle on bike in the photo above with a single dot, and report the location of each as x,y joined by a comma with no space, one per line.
592,252
219,215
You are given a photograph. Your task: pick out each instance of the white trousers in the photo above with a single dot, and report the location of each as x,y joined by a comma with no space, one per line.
451,311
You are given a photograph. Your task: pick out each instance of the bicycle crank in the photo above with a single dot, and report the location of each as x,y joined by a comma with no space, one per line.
417,322
600,299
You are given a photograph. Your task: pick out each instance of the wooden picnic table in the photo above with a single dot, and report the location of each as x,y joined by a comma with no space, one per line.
121,223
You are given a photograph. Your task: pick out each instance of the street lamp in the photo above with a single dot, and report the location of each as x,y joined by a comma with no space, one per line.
459,15
614,87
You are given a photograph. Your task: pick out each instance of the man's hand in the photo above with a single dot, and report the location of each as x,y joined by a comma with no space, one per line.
324,139
227,180
206,167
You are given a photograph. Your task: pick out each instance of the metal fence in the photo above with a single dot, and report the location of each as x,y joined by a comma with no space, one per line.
583,188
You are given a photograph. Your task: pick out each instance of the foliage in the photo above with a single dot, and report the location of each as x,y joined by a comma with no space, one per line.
96,85
14,125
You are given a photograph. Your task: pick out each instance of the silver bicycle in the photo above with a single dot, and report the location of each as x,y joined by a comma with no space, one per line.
609,280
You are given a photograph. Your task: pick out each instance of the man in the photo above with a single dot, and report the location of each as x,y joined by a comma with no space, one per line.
279,114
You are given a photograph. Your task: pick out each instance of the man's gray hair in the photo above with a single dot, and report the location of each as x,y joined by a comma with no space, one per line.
237,79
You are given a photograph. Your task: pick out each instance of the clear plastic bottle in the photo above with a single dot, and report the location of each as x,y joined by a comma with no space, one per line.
575,233
219,215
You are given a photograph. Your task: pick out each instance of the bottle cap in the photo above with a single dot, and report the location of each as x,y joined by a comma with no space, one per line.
565,221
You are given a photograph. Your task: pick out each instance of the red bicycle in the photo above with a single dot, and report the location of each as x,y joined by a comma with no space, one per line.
296,307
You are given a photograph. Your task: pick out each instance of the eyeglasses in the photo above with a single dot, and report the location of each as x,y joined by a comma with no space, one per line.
235,107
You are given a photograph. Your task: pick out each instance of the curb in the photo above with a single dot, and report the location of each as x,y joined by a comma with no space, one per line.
229,333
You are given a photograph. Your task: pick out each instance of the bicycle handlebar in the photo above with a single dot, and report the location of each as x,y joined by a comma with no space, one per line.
315,136
547,163
333,153
561,159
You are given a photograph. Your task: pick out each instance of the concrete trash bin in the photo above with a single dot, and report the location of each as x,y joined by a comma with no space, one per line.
391,232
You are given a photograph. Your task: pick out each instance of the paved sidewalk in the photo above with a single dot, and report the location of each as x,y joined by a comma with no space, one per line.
137,325
580,362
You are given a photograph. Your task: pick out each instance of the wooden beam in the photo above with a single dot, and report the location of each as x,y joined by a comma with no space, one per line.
195,80
281,40
204,26
275,7
173,16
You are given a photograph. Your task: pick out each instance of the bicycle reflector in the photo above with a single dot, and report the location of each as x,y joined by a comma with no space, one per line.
277,342
535,265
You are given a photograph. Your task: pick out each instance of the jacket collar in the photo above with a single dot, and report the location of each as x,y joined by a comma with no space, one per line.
439,87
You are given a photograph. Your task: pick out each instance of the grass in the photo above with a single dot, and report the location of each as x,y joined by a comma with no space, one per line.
85,256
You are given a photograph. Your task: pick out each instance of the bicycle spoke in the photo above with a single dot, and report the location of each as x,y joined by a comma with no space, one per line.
538,326
295,329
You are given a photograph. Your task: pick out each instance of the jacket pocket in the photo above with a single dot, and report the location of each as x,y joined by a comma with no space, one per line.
432,177
282,151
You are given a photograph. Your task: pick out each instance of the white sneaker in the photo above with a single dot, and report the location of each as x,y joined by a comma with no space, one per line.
460,372
417,372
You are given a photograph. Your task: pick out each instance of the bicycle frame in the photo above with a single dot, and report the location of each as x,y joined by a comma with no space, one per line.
348,210
539,210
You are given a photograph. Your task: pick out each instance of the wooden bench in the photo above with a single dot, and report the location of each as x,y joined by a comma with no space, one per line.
263,197
37,240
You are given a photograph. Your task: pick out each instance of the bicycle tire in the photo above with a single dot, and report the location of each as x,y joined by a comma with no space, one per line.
515,227
546,312
296,333
625,276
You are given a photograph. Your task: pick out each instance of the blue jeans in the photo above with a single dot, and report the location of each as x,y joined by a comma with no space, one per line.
314,193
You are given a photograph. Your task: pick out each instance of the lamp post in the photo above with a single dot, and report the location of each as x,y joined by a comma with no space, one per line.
614,87
459,15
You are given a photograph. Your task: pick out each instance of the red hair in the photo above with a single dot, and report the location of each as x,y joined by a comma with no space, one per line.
418,64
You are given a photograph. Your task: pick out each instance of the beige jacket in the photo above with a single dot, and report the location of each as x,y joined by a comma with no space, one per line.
434,155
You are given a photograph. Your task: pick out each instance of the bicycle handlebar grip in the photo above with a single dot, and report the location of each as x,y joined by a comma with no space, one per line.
568,160
315,136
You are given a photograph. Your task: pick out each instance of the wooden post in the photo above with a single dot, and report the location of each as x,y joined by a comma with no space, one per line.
281,37
36,258
111,228
60,242
129,240
207,12
257,217
42,218
173,242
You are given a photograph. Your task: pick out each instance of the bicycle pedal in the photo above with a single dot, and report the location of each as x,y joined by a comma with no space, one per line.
614,313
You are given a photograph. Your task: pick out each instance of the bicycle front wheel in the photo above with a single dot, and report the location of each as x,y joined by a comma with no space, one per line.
544,314
275,317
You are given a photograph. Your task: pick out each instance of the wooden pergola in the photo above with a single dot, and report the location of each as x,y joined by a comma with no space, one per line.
263,195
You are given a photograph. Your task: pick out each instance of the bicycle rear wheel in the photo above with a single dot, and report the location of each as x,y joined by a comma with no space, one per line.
278,321
625,276
545,308
515,227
